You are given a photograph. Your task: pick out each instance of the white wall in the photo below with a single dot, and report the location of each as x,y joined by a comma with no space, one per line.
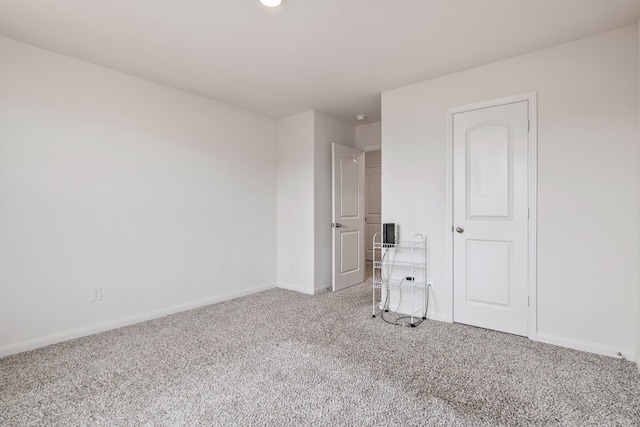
369,136
304,198
296,202
638,309
587,180
165,199
326,131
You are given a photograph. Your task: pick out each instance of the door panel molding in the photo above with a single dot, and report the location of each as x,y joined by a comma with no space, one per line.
531,98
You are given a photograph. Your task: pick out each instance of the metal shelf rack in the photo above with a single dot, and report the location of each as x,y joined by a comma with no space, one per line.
401,269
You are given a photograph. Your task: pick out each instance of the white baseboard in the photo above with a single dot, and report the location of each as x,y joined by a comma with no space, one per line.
322,290
587,346
124,321
295,288
439,317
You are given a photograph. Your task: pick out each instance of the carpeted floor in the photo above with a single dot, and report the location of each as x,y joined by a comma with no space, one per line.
282,358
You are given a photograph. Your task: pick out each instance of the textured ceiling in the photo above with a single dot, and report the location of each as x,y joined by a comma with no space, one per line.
335,56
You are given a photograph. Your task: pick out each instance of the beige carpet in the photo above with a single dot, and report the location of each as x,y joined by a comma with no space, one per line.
282,358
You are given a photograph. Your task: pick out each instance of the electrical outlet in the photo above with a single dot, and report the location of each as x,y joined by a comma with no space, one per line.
429,282
96,293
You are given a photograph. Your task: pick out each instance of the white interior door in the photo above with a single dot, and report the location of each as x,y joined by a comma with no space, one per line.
373,200
490,217
348,216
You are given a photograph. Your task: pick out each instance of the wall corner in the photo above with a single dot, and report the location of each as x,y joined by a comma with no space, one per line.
638,213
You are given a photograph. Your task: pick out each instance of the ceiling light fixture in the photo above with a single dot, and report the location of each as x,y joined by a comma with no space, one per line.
360,117
271,3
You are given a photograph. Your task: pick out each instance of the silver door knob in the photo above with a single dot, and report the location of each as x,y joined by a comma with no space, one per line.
460,229
336,225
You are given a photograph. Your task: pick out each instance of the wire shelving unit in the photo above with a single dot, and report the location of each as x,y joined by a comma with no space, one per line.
400,269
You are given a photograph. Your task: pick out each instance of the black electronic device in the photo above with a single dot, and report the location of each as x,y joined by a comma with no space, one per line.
389,234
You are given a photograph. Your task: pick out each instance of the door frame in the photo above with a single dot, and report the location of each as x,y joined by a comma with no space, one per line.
366,203
531,97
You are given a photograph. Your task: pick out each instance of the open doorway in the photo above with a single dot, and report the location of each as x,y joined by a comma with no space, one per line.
373,203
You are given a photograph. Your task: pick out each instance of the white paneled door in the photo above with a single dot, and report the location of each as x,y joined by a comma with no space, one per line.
348,216
490,217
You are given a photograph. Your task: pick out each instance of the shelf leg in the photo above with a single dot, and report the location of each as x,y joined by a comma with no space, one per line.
373,300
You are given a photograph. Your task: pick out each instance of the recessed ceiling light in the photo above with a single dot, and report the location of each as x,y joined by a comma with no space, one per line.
360,117
271,3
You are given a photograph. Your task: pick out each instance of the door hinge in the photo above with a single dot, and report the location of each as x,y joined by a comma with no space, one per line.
528,125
